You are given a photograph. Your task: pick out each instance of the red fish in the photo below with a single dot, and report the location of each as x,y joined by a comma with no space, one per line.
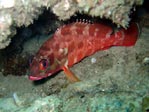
73,42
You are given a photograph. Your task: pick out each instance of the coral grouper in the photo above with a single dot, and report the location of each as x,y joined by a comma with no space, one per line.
73,42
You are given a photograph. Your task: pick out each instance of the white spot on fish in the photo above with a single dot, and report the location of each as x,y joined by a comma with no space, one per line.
115,43
96,30
75,60
60,50
95,34
73,30
102,41
41,57
102,46
49,74
86,30
108,35
58,32
63,51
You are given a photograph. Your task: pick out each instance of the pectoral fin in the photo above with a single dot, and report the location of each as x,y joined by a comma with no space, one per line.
70,75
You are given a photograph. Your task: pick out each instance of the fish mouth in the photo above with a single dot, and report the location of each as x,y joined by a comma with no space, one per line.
35,78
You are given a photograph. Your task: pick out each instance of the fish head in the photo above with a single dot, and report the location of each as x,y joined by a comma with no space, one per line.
42,67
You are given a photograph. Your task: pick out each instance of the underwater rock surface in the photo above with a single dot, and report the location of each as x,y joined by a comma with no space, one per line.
118,102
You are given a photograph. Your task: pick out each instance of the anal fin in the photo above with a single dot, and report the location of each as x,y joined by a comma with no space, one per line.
70,75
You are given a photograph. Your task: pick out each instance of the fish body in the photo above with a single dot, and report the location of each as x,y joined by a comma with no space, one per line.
73,42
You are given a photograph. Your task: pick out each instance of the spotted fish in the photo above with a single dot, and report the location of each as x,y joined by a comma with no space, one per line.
73,42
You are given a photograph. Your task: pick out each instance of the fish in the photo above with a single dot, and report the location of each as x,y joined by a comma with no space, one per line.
73,42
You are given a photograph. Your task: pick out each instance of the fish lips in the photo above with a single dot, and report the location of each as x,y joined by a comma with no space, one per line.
34,78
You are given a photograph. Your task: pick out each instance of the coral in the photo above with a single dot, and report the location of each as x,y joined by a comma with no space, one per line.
5,29
67,6
15,13
117,11
25,12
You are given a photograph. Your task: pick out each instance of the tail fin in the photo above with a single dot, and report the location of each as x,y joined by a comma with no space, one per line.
130,35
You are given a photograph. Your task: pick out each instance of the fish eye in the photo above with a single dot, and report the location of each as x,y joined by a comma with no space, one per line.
43,64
